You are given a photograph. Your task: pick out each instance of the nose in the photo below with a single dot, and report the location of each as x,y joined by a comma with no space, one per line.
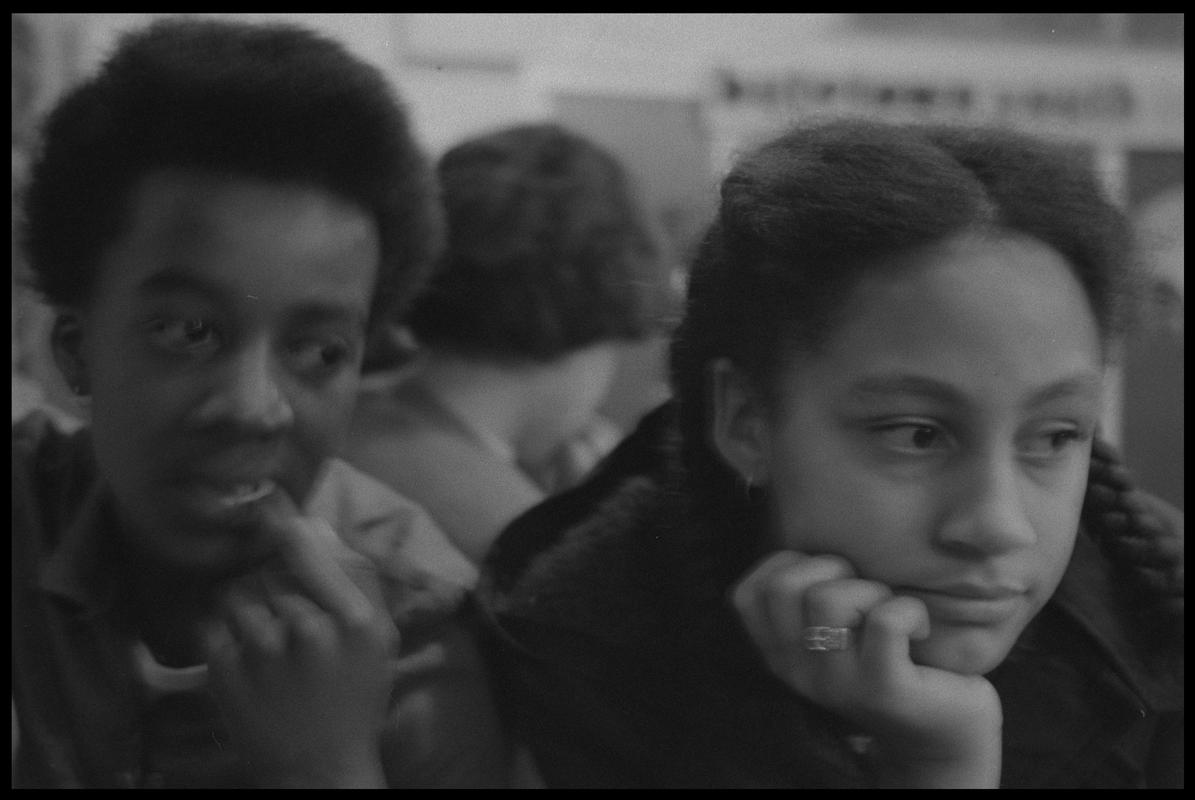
988,513
248,394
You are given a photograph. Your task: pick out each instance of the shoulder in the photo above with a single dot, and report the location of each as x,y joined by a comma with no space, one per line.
469,491
53,471
428,576
586,560
387,434
1107,608
37,434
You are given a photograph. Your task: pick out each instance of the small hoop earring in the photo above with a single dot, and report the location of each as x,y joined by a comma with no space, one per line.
82,397
750,490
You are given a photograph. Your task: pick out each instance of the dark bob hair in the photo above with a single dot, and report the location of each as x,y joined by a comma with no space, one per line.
548,249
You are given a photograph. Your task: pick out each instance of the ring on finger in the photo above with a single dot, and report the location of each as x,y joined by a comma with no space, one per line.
823,638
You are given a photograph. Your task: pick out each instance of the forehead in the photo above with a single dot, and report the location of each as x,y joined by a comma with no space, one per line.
269,240
989,315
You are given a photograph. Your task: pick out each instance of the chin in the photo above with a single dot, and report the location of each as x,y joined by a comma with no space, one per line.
205,551
967,652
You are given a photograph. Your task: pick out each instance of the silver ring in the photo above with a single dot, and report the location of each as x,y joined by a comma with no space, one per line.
821,638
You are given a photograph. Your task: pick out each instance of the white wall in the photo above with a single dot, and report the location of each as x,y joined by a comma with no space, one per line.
465,72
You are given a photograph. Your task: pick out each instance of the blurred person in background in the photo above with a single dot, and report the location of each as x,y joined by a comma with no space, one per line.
204,594
551,268
35,380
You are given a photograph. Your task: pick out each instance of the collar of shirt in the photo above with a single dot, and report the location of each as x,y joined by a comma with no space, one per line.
471,428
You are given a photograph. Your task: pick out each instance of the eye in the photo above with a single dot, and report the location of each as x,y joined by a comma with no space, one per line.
183,335
1055,441
319,355
913,438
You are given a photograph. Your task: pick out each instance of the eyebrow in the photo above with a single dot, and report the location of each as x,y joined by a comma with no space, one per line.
883,386
318,313
1083,384
169,281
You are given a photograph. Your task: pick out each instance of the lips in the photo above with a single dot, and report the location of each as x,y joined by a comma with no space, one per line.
976,591
969,604
225,500
237,493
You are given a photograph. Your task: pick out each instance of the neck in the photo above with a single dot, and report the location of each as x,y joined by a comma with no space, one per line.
492,399
529,406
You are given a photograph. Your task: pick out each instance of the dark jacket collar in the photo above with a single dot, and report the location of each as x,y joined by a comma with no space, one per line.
1090,596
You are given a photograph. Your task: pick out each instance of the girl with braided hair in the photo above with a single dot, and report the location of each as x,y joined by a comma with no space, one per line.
874,540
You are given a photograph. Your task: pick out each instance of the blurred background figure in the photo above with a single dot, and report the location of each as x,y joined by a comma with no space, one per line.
490,399
35,382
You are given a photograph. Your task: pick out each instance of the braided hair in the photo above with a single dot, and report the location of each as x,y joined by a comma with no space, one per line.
1143,537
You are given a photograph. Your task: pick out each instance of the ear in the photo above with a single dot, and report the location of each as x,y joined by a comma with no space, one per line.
738,425
66,341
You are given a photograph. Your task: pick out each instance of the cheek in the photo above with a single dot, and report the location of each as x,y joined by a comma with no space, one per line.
830,507
322,417
136,406
1056,524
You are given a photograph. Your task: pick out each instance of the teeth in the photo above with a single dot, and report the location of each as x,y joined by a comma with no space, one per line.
242,493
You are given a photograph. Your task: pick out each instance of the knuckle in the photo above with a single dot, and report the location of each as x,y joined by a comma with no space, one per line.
821,602
786,586
830,567
266,642
308,628
388,635
1101,496
896,613
779,562
361,618
742,596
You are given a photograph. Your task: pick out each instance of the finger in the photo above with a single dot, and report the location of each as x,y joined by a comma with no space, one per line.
1153,512
1109,471
1114,476
747,596
309,629
1103,451
1101,497
888,629
221,652
252,623
1112,524
1163,584
786,593
841,604
769,600
747,588
1147,552
310,625
312,553
218,641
